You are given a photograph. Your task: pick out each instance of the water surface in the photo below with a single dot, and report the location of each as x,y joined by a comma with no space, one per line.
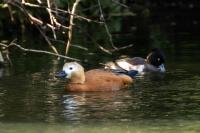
32,100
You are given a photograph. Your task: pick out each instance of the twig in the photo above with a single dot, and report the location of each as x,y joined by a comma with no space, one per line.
105,25
39,1
62,11
58,25
78,16
1,58
96,43
33,19
30,4
7,52
37,51
11,14
73,45
37,22
47,40
121,48
51,17
121,4
71,26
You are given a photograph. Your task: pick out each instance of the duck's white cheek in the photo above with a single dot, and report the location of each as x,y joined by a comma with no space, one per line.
68,76
68,73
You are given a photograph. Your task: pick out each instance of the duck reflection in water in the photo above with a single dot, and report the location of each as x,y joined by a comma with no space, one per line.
97,105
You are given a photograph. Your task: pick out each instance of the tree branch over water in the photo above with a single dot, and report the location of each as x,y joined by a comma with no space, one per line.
71,19
35,50
53,21
105,25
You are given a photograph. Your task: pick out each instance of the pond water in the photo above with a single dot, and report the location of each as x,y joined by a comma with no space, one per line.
33,101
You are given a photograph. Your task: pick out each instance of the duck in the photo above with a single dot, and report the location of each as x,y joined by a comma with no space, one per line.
154,62
95,79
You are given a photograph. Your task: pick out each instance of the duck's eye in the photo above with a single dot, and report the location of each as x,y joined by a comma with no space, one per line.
70,68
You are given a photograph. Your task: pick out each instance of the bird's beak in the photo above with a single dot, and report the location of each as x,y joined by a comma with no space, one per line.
61,74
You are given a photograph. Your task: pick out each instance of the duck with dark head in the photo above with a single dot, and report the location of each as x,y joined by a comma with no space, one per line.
154,62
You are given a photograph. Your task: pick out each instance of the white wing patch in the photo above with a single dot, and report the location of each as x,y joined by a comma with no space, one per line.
127,66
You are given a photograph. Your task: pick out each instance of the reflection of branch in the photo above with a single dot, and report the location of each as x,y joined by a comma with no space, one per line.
71,26
105,25
36,51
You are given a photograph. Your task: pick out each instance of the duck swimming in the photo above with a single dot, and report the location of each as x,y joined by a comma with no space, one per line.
154,62
95,79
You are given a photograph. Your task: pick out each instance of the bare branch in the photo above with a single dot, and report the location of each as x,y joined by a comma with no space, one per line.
105,25
121,48
96,43
35,20
47,40
62,11
36,51
30,4
73,45
1,58
71,26
51,17
39,1
11,14
121,4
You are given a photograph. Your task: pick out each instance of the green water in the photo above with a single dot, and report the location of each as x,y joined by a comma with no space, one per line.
32,100
160,127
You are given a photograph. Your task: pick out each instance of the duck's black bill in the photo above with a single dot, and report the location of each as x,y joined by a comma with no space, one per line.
60,74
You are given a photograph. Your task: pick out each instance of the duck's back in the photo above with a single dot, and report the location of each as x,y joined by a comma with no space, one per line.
136,61
100,80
